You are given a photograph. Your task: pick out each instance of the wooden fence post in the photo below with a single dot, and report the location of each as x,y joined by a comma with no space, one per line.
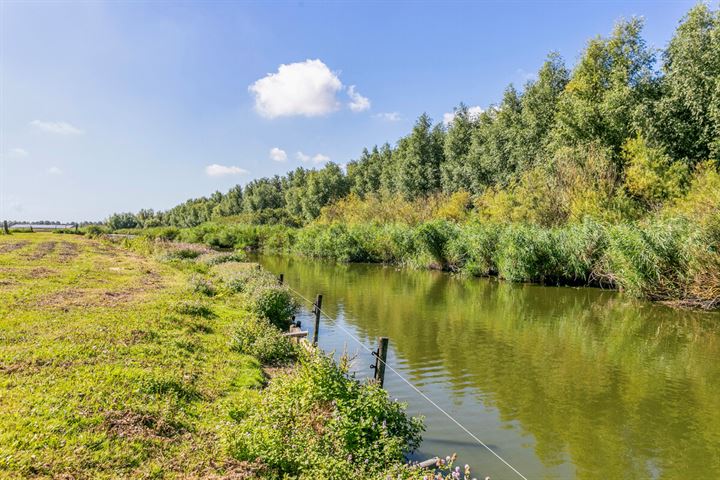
318,307
380,359
5,228
281,278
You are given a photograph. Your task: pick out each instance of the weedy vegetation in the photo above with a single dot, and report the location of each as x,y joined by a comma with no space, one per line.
135,358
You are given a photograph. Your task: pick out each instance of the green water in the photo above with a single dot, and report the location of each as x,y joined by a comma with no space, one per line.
561,382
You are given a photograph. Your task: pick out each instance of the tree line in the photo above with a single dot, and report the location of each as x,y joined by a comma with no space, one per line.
615,137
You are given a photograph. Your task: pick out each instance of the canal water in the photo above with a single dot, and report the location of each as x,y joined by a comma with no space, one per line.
563,383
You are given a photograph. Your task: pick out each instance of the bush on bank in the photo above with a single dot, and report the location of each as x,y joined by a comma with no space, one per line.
334,427
671,257
264,341
262,294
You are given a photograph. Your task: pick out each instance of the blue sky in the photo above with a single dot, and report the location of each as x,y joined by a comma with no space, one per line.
117,106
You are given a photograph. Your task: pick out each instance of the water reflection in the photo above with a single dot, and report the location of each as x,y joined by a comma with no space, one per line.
565,383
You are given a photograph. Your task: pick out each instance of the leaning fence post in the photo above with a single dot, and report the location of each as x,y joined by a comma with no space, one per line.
318,307
281,278
380,359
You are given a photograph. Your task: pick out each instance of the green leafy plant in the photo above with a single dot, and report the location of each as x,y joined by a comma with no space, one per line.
264,341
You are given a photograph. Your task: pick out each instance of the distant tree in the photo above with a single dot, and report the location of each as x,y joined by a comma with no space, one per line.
539,106
687,117
455,171
419,156
231,203
295,184
145,217
117,221
364,174
262,194
607,90
497,146
323,186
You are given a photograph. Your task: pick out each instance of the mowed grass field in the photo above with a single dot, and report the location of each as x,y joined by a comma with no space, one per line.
103,374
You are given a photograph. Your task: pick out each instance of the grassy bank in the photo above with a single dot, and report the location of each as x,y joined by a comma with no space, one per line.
148,360
673,258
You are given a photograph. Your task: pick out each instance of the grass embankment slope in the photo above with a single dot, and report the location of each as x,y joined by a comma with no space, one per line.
154,360
100,376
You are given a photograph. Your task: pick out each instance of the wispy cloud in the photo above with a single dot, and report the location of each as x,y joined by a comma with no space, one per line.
216,170
473,113
278,154
320,158
525,75
317,159
54,171
358,103
61,128
389,116
18,153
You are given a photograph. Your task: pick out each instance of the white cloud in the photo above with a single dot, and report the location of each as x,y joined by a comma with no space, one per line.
54,171
62,128
216,170
278,154
318,158
473,112
358,103
389,116
306,88
526,76
19,153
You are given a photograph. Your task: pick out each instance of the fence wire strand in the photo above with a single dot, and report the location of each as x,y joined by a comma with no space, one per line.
420,392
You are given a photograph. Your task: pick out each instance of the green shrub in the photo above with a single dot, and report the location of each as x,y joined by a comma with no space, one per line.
218,235
167,234
277,238
203,286
649,260
217,258
474,249
334,241
272,302
239,281
334,427
704,265
434,236
579,249
94,231
527,254
261,339
264,297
